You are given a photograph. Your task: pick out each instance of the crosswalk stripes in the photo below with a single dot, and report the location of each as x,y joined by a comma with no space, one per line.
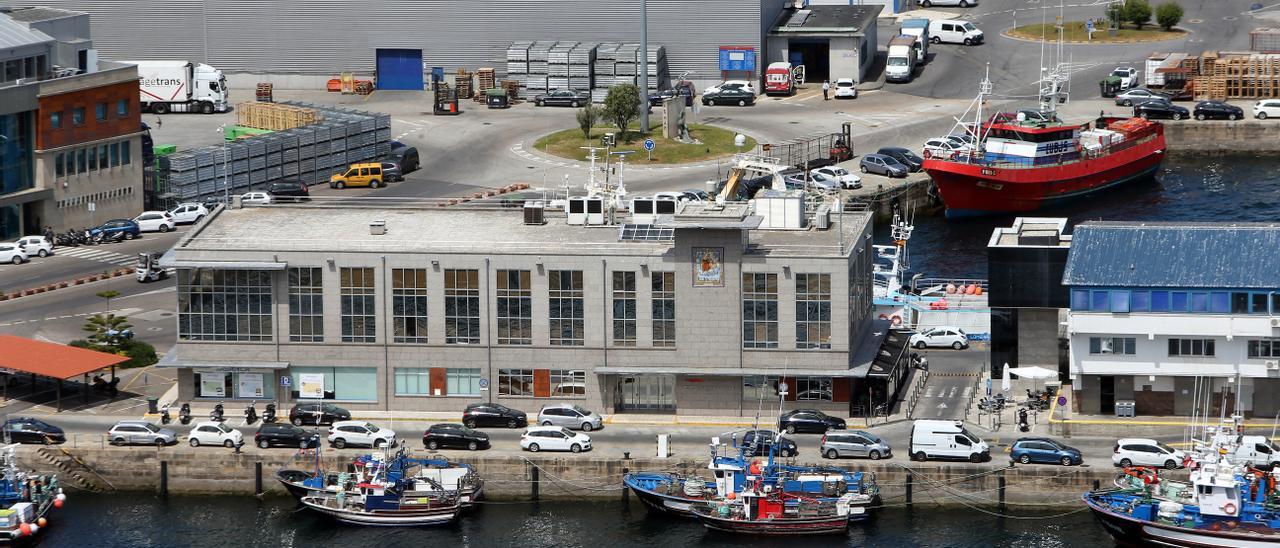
98,255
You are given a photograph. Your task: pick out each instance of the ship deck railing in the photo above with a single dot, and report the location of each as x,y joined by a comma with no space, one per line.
1067,158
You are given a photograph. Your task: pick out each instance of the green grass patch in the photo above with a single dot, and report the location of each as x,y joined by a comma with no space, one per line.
1075,32
715,143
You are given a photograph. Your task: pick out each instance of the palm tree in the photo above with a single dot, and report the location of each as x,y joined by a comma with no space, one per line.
105,331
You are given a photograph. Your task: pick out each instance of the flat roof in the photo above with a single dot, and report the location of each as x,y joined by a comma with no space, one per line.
51,359
1175,254
827,19
1032,232
14,34
36,14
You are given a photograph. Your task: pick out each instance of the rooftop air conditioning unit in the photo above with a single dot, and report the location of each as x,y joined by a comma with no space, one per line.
595,210
378,227
534,213
642,211
1275,322
1273,365
577,211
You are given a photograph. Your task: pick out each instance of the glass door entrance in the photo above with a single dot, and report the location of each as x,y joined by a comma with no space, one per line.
649,393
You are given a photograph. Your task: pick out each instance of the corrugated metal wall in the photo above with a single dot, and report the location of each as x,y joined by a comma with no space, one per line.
329,36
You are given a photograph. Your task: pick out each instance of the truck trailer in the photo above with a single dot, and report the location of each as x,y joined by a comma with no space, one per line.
918,28
181,86
900,64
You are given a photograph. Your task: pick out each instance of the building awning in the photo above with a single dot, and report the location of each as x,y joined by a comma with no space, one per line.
168,260
172,359
724,371
880,350
54,360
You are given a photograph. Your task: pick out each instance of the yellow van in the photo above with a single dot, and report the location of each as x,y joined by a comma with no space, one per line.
369,175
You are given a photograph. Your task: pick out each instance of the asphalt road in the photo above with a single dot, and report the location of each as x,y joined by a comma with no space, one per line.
68,263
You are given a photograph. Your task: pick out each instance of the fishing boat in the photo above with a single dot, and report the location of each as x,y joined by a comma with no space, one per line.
426,475
26,500
759,510
387,504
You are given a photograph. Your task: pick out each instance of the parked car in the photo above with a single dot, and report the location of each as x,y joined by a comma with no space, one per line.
818,181
285,435
12,253
941,439
847,180
289,190
882,165
1146,452
391,172
155,221
114,226
730,84
554,438
493,414
317,414
942,336
809,420
945,147
854,443
955,31
31,430
214,433
1044,450
1128,76
140,433
344,433
404,157
904,157
1217,110
561,98
454,435
961,3
1160,108
730,96
1135,96
366,174
35,245
570,416
686,91
846,88
190,212
759,442
255,198
1266,108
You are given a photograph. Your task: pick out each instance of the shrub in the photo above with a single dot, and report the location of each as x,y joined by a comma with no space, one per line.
587,117
1137,12
622,106
140,354
1168,14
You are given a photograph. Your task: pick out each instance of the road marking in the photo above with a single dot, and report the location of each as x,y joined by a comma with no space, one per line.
414,124
97,255
118,311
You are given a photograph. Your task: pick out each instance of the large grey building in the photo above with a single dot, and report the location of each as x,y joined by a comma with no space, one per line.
429,309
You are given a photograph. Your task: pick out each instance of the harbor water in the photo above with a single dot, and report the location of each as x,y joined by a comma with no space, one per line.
1188,188
149,521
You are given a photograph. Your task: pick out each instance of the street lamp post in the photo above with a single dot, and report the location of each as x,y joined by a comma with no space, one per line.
644,67
226,168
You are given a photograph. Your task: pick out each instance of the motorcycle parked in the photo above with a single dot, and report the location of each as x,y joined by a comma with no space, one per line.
251,413
269,416
217,413
184,414
1023,426
164,415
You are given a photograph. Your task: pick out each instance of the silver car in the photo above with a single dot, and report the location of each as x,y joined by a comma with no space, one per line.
854,443
140,433
570,416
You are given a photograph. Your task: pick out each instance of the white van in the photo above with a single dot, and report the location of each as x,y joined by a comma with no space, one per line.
933,439
955,32
1257,451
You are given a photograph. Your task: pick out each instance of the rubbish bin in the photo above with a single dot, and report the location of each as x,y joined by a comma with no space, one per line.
153,405
664,446
496,98
1110,86
1124,408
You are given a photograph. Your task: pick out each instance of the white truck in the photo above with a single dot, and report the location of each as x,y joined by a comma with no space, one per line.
920,29
900,64
181,86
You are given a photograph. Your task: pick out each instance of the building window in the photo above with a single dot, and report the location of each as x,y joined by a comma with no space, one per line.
71,163
515,307
1159,301
100,112
224,305
1220,302
813,389
756,388
566,308
358,307
55,120
1178,301
1199,302
1080,299
115,154
102,157
409,305
813,311
1120,301
1140,301
624,308
1191,347
1100,300
1264,348
77,116
124,153
664,308
93,158
59,168
568,382
462,382
334,383
515,382
759,310
306,305
462,307
1112,345
122,108
413,381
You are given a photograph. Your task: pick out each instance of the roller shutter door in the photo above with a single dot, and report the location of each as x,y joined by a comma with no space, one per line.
400,69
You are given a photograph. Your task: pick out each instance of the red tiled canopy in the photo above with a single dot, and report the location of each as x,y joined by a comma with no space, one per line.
51,359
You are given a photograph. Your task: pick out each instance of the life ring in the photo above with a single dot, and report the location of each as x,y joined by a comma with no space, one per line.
1229,508
884,317
927,154
897,320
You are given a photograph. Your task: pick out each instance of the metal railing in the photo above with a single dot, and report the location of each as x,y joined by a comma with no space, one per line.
977,387
974,157
915,394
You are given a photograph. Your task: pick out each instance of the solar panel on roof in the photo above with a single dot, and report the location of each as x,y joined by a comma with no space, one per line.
645,233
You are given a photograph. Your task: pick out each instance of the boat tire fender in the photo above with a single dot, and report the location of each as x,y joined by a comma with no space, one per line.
1229,508
897,320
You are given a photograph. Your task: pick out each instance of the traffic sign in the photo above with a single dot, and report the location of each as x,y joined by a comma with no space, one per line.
286,381
484,383
649,145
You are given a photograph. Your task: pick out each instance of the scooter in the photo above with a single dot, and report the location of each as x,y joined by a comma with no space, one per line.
251,413
184,414
269,416
216,414
1022,421
164,415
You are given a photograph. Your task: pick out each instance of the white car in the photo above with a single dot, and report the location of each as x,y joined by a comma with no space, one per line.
189,212
344,433
155,221
554,438
11,253
847,180
1146,452
961,3
255,198
942,337
1266,108
944,147
35,245
730,84
214,433
846,89
1128,76
814,181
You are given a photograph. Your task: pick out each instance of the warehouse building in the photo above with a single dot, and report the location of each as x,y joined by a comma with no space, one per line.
704,312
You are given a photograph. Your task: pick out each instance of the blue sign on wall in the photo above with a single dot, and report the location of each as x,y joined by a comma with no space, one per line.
737,59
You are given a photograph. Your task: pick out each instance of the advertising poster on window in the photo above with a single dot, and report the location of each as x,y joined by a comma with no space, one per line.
708,267
250,385
311,385
213,385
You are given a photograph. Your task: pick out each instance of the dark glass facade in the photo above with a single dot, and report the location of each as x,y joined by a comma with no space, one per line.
1019,278
16,168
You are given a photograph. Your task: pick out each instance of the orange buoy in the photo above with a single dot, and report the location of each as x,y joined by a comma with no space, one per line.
25,528
42,522
951,289
57,503
978,291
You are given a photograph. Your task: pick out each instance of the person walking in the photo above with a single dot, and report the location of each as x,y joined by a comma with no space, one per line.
826,90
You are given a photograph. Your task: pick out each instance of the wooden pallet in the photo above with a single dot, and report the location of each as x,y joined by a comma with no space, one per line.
265,92
464,83
273,117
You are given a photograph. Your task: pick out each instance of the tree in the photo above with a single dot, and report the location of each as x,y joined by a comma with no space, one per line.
587,118
1137,12
1168,14
108,295
622,105
106,332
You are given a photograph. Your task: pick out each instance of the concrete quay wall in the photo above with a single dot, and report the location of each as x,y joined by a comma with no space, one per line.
1215,137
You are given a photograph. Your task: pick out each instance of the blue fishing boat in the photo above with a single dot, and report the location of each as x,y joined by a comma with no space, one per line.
26,500
394,503
423,475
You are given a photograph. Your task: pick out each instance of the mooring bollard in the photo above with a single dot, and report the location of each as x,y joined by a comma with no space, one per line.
257,478
1001,483
535,482
1097,484
910,480
164,478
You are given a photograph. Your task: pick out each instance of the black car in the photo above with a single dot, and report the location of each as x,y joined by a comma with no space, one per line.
317,413
685,90
758,442
809,420
454,435
29,430
289,189
730,96
492,414
1217,110
403,156
285,435
391,171
561,98
1160,108
903,156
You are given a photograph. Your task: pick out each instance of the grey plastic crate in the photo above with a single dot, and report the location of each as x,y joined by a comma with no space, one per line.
204,157
382,135
183,177
274,158
307,165
289,169
289,155
306,152
383,121
257,177
182,161
289,139
274,173
322,148
257,163
240,166
354,128
306,135
256,147
368,124
323,132
239,150
382,149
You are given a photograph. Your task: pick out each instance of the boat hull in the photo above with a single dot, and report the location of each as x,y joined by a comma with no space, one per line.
828,525
391,518
1133,531
670,504
292,480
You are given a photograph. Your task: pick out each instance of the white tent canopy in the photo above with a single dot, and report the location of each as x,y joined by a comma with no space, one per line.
1033,372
